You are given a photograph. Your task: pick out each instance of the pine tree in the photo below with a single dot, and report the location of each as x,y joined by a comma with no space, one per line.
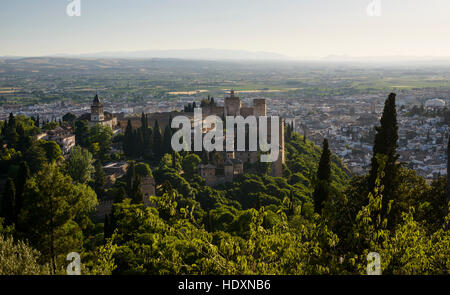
48,215
82,131
386,144
99,179
8,200
322,188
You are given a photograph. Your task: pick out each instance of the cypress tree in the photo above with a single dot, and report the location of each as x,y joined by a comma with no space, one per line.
167,141
143,121
8,200
23,143
120,195
130,176
288,131
144,138
157,140
448,172
99,179
128,139
11,135
324,170
322,187
386,144
137,196
106,227
145,135
22,176
11,121
138,143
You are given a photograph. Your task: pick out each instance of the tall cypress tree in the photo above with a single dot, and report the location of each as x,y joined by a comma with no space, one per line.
120,194
146,134
138,143
157,140
22,176
143,132
106,227
386,144
167,141
11,135
130,177
143,121
99,179
448,172
128,139
11,121
8,200
322,187
324,170
137,197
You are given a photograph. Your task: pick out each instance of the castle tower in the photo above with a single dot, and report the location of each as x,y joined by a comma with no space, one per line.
259,107
228,170
97,114
232,105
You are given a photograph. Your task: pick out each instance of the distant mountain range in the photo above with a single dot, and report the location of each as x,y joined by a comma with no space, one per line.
230,54
204,54
392,58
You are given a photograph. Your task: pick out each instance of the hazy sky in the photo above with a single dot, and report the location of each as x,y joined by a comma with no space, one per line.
297,28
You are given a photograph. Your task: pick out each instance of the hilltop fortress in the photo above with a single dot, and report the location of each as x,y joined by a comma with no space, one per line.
228,164
225,165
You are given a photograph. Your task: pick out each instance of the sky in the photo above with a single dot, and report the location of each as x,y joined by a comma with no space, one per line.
297,28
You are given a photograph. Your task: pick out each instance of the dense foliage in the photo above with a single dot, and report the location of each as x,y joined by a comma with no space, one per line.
313,220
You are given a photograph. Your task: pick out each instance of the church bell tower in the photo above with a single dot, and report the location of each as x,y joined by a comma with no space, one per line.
97,114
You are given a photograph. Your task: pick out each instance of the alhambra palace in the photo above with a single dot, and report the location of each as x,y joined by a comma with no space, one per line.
222,166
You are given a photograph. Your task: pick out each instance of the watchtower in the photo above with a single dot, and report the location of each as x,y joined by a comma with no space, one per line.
232,105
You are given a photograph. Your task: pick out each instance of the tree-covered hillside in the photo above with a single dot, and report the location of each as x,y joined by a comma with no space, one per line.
313,220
